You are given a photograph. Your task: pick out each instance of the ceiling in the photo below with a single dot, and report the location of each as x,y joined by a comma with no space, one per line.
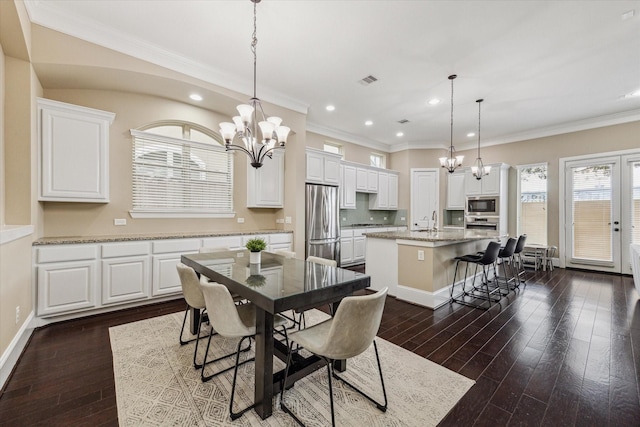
542,67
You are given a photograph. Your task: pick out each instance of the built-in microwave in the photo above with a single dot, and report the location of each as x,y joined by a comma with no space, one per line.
483,205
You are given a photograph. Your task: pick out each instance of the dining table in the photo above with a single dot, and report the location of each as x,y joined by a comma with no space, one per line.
278,284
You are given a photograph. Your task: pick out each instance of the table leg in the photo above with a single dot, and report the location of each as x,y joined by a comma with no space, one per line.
194,319
263,394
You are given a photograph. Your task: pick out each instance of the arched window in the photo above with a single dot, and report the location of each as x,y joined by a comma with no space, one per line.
180,169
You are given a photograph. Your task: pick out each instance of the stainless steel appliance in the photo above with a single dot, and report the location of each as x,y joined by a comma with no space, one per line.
322,233
482,222
483,206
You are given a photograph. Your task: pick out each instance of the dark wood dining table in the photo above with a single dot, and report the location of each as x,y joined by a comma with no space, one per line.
278,284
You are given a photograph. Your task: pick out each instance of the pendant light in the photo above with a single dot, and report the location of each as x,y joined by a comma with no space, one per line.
252,122
451,161
479,170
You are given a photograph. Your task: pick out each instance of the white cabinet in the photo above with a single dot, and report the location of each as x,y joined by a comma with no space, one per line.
322,167
359,249
231,243
366,180
456,190
372,181
387,196
352,246
346,250
490,185
265,185
280,241
73,152
126,272
166,254
67,278
348,187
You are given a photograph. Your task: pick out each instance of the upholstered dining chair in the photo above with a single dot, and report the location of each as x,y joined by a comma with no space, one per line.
324,261
285,253
301,322
231,321
347,334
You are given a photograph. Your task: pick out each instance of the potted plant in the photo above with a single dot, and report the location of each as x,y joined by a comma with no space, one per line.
255,246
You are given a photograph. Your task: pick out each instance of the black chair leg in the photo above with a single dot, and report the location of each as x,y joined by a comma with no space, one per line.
206,378
236,415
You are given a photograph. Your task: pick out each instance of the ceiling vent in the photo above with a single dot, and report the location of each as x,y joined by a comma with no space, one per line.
403,121
368,80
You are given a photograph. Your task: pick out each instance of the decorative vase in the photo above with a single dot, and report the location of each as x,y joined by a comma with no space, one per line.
254,257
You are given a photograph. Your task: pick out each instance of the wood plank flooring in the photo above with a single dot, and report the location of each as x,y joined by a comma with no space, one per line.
563,351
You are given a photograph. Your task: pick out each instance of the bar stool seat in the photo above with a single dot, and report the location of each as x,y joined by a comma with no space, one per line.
470,296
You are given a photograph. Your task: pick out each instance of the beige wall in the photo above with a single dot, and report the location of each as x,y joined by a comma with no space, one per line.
351,152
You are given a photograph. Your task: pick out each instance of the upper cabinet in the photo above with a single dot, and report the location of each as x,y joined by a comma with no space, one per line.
387,196
492,184
265,185
323,167
366,180
348,187
73,152
456,190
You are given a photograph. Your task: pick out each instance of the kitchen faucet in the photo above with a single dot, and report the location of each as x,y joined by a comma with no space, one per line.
434,218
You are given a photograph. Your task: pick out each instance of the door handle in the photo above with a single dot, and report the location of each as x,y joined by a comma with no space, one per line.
616,222
616,229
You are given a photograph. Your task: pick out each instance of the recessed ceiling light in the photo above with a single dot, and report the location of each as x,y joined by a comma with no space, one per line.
434,101
400,134
633,94
470,134
195,97
330,107
368,123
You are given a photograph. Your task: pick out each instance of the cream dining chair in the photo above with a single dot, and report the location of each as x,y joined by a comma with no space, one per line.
347,334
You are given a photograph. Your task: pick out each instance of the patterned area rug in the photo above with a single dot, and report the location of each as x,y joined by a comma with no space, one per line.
156,384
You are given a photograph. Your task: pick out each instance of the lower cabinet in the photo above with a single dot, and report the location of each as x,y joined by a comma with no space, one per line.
74,278
359,249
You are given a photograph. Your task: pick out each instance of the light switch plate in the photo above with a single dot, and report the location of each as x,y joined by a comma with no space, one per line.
119,221
240,220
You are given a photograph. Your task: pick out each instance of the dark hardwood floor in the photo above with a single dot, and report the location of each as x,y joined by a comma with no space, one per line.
563,351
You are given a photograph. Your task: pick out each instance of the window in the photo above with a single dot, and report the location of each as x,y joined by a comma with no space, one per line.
532,202
377,160
180,170
331,147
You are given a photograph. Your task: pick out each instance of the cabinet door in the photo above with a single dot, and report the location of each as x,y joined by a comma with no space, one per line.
372,181
362,176
331,170
165,279
359,248
393,191
383,190
348,187
455,191
77,136
125,279
265,185
66,287
346,250
315,167
473,187
223,242
491,182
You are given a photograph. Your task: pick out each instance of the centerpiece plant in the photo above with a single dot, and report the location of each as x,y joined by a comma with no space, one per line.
255,246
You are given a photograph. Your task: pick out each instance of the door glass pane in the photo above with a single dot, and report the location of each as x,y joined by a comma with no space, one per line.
591,205
635,203
533,204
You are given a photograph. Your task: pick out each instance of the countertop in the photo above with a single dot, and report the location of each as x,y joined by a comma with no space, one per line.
448,235
371,226
150,236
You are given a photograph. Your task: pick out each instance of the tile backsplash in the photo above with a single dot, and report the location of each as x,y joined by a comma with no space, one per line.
362,214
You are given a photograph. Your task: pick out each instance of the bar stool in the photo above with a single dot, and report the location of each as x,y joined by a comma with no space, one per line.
506,256
517,257
485,259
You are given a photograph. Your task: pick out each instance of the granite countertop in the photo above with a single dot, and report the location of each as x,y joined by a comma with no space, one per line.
150,236
449,235
371,225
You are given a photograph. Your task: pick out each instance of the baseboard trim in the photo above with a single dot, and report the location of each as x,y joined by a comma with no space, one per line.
12,353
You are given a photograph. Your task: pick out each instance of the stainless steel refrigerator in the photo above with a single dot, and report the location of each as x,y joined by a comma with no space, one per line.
322,233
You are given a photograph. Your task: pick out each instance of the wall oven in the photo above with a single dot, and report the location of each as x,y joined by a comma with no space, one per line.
482,206
487,223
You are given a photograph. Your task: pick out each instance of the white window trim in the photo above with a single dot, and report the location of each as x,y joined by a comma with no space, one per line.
519,169
383,160
168,213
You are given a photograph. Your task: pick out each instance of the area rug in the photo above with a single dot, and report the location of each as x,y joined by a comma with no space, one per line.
156,384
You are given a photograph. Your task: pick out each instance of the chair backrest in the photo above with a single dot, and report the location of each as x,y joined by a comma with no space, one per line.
490,254
508,249
190,286
285,253
551,252
318,260
355,325
223,313
520,245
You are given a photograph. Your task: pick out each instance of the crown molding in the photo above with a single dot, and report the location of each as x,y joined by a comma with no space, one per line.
347,137
41,13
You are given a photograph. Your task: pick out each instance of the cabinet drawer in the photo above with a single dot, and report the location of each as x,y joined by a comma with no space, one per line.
173,245
346,232
225,242
281,238
112,250
66,253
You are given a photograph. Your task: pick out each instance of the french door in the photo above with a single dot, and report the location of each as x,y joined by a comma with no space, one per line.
602,212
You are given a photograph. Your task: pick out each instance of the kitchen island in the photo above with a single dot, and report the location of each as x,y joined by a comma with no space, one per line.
418,266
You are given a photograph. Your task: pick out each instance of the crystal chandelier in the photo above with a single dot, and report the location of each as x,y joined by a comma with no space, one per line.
451,162
260,135
479,170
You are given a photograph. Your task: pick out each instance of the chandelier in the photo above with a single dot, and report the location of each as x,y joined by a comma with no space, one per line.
451,161
259,134
479,170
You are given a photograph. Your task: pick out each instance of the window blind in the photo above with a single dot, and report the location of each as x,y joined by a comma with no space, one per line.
172,175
